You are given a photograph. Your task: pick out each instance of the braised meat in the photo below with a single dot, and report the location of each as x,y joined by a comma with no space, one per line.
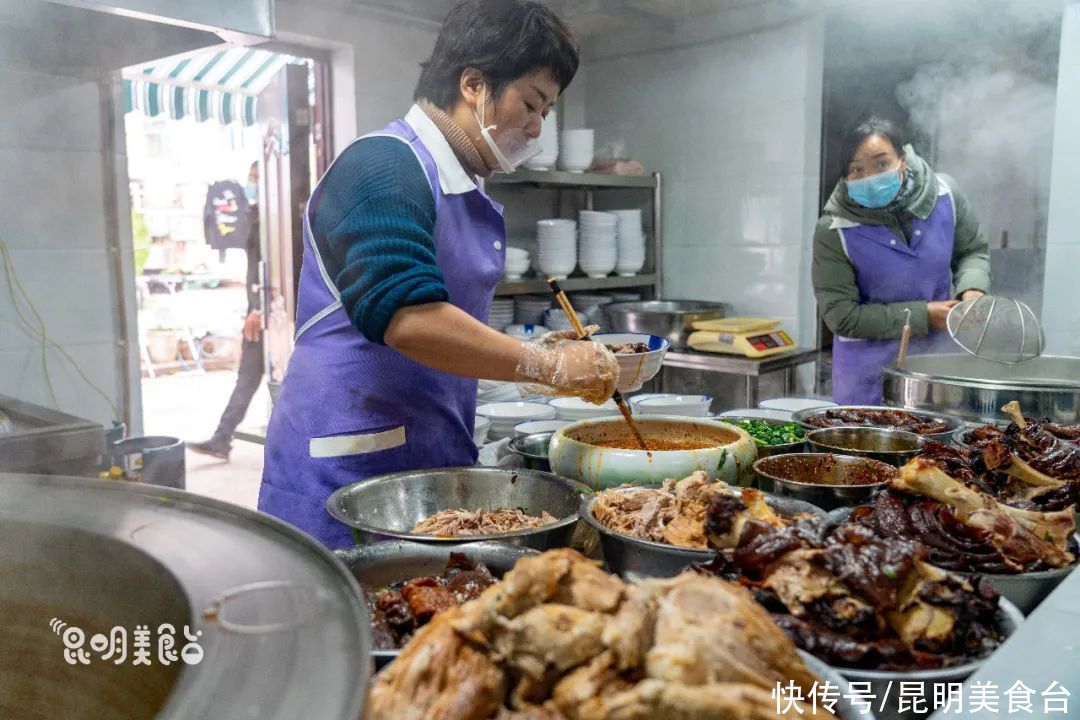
559,639
631,348
883,417
676,513
460,523
856,598
398,611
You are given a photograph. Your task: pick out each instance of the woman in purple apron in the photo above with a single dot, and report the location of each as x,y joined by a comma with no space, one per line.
896,240
402,252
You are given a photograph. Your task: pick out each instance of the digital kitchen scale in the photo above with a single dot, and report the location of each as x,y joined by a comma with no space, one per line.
752,337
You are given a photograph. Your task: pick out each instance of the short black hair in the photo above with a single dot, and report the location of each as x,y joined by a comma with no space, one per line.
873,125
504,40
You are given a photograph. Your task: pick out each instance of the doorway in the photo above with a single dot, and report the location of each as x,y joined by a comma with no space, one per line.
223,148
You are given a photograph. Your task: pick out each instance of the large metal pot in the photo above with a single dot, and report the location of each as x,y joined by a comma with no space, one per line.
672,320
968,387
282,629
574,453
388,506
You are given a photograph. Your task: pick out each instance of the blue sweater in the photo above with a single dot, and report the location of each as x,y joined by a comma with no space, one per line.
374,225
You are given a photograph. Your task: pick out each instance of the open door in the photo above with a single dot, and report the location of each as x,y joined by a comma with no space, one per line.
288,141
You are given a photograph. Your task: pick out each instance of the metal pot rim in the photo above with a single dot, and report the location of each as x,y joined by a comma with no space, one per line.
858,460
800,417
1056,384
335,512
919,440
515,442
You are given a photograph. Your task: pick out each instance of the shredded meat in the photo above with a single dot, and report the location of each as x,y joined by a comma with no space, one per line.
460,523
628,348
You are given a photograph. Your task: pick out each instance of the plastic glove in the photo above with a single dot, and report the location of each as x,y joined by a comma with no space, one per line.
557,366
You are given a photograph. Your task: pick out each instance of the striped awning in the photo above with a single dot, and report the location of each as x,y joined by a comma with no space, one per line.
222,85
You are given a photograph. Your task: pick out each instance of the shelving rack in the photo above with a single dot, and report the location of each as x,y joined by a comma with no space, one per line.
589,183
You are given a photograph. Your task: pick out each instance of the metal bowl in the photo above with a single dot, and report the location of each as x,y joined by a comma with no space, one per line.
632,558
975,389
959,437
883,681
803,416
1027,590
767,450
533,450
388,506
672,320
894,447
777,474
382,564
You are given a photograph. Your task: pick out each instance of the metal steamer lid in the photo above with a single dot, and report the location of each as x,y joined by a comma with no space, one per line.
280,623
996,328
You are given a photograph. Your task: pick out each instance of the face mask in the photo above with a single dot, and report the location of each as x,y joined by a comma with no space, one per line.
875,191
513,149
251,191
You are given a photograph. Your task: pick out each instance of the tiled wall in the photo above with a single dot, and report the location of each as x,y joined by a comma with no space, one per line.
53,220
735,126
1061,321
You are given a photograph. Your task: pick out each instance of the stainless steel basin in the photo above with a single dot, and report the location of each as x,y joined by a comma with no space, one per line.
672,320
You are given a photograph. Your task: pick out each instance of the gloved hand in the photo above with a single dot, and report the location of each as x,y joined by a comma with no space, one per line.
558,365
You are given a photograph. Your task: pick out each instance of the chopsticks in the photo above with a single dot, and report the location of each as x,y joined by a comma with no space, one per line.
564,303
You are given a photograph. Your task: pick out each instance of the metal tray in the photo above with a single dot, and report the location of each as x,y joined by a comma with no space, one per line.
802,416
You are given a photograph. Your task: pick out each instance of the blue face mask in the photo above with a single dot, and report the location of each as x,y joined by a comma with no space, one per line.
251,190
875,191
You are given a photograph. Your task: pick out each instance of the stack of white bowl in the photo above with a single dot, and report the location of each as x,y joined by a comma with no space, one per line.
501,313
517,263
591,304
556,320
493,391
505,415
670,404
557,240
549,145
576,150
598,250
631,242
529,309
571,408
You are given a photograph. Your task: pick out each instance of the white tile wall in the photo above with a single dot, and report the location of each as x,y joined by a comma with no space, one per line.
735,127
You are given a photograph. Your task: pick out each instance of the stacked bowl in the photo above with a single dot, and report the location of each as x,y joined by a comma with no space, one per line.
576,150
505,415
557,240
598,250
631,242
549,145
516,264
529,309
525,332
669,404
574,409
501,313
556,320
589,304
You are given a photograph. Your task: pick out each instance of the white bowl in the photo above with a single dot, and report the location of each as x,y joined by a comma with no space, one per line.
525,331
574,409
480,430
639,368
539,426
782,415
678,405
793,404
505,415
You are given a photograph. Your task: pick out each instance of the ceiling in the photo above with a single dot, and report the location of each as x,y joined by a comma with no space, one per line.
587,17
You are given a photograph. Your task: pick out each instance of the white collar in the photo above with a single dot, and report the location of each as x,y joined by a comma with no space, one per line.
452,176
839,223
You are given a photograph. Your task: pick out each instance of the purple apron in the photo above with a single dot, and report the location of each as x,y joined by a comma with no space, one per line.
887,270
350,409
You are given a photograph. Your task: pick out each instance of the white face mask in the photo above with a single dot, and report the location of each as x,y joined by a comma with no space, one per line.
514,148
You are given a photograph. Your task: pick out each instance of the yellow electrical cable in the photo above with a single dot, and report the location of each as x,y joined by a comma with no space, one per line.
46,341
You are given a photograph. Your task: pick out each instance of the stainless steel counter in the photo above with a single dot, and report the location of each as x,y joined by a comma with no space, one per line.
750,368
43,440
1046,649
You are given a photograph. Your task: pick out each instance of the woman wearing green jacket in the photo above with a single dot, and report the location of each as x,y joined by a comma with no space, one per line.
894,237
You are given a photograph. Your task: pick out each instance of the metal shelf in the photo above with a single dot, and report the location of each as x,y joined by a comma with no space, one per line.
539,285
563,179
